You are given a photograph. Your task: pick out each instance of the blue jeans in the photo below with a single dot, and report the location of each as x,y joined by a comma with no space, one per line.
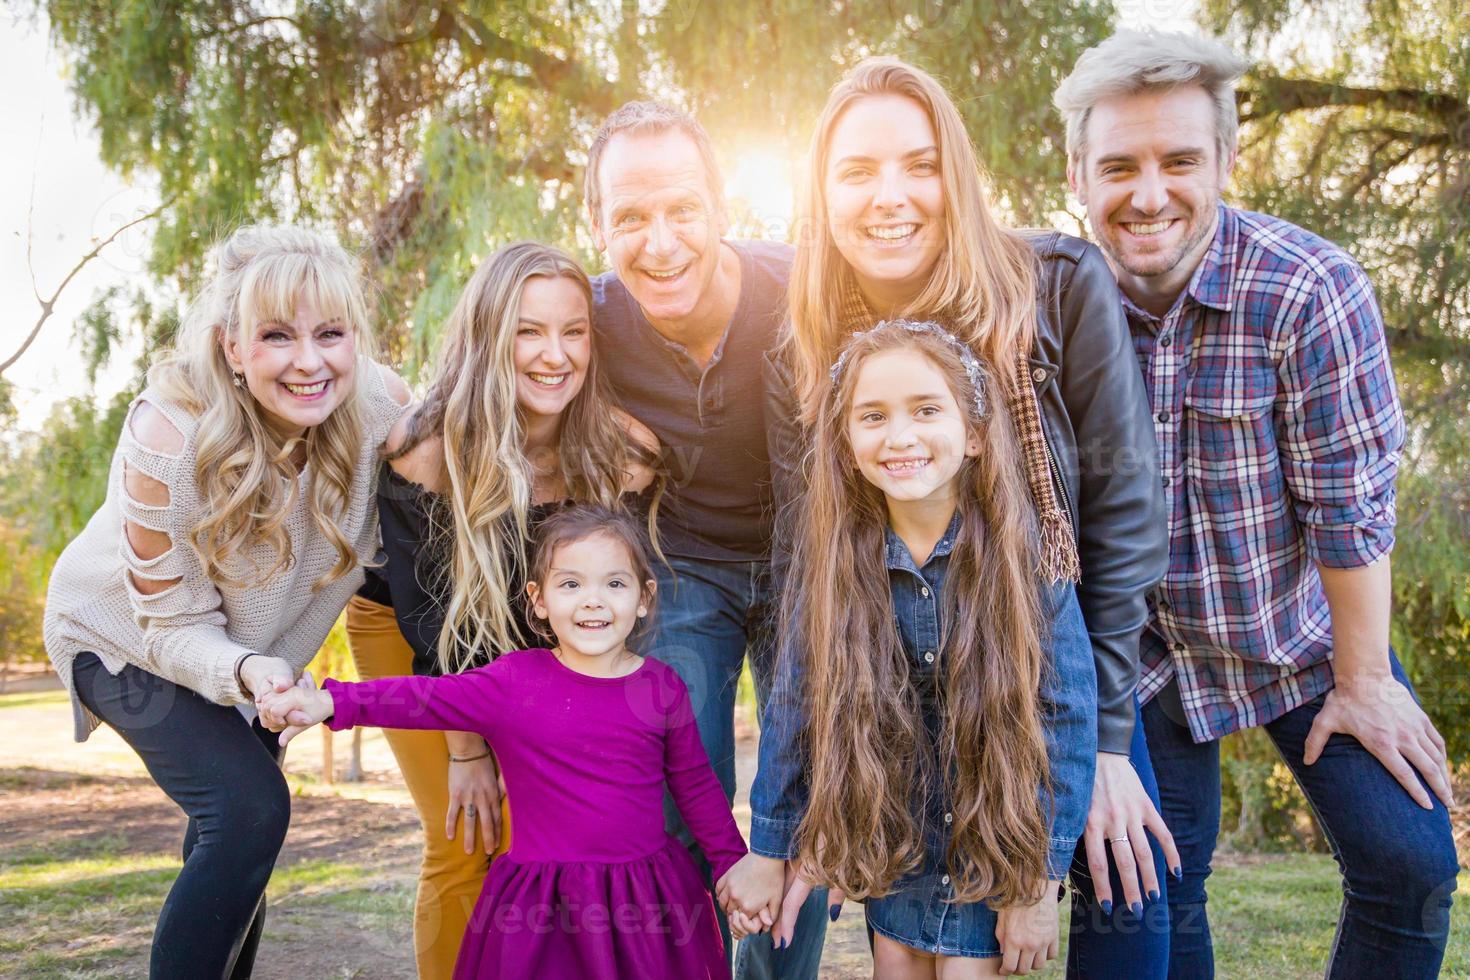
1121,944
222,772
710,615
1398,860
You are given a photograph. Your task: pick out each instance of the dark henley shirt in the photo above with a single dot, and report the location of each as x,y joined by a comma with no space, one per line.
710,420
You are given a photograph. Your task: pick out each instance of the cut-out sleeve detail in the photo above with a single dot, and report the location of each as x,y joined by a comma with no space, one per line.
177,607
382,391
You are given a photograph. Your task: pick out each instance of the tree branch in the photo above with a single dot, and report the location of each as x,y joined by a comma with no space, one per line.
49,305
1273,95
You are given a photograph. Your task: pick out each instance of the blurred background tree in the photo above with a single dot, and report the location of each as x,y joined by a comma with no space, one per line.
428,134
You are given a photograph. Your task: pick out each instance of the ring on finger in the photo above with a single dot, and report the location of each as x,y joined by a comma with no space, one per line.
1118,840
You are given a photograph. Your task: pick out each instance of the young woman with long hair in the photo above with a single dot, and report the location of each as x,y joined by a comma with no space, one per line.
936,713
237,518
516,420
894,220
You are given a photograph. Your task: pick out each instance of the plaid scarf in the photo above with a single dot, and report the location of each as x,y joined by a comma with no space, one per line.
1059,560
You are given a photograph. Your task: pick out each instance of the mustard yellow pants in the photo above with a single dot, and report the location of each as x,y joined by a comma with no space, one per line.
449,879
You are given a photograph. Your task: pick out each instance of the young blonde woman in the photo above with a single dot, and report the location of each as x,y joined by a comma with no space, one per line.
895,222
517,420
238,514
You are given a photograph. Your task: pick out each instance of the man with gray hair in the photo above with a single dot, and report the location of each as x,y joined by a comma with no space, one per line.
1279,434
683,321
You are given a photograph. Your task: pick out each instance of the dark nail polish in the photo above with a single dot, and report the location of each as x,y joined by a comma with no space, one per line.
783,943
1153,896
833,911
1179,873
1107,907
1136,908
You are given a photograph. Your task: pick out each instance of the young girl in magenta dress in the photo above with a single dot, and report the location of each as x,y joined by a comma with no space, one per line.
587,734
928,745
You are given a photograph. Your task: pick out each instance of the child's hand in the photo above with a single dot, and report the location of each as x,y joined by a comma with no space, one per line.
1028,934
742,925
752,889
298,708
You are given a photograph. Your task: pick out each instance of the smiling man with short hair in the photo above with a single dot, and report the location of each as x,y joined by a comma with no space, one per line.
1279,434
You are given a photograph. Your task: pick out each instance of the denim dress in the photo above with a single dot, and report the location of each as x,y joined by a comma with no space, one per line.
920,911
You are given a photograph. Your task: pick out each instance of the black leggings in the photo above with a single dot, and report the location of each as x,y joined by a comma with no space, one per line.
223,772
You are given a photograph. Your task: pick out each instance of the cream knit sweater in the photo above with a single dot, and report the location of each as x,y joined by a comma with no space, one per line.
194,632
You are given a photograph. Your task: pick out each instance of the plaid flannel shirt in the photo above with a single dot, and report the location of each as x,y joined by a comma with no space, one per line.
1279,433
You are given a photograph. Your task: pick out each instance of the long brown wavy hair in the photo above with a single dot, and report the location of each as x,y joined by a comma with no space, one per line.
481,523
870,756
984,281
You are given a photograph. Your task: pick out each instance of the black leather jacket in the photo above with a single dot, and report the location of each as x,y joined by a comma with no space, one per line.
1105,464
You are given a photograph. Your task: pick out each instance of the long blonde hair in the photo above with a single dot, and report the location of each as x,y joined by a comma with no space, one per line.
870,757
983,284
247,481
471,405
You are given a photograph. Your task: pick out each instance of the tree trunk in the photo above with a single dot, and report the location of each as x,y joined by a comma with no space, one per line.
329,765
354,764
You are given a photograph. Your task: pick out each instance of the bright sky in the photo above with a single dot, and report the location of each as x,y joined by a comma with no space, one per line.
77,201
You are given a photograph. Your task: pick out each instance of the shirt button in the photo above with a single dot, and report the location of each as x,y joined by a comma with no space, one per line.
944,880
1038,375
925,591
1166,481
949,818
928,656
1163,416
1178,648
1166,341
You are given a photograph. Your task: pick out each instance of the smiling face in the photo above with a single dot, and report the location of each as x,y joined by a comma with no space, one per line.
298,369
553,345
907,431
590,595
660,223
885,196
1151,182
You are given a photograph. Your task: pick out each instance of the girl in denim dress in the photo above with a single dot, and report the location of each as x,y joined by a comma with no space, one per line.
928,748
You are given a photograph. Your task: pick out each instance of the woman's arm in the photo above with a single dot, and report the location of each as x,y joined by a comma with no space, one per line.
177,606
1122,526
640,473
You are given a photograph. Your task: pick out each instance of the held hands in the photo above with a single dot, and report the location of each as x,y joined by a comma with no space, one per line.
1120,814
295,709
750,893
262,675
1381,714
1028,934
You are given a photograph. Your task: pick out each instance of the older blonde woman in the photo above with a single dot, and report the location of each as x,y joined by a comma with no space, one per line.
238,514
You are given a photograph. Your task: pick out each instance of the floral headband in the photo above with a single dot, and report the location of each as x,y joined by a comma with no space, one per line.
966,356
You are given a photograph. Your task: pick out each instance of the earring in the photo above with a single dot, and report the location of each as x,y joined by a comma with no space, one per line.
239,380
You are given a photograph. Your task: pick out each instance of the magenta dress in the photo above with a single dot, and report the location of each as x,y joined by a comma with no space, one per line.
593,885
